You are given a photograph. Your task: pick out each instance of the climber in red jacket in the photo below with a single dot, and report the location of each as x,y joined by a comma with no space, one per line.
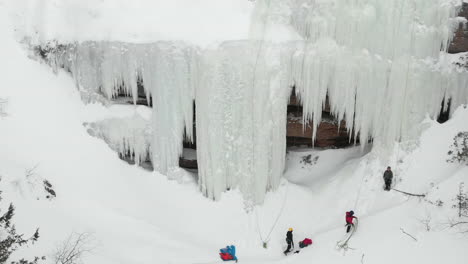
349,220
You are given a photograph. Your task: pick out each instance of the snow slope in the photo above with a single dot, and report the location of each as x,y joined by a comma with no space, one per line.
141,217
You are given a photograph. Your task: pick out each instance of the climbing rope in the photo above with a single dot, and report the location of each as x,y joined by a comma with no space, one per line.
396,165
254,78
359,190
253,86
343,244
410,194
404,101
257,58
267,238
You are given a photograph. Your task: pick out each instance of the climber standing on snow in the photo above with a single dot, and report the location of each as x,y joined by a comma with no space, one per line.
388,176
289,240
349,220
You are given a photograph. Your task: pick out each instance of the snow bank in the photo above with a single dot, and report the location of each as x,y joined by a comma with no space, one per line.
200,22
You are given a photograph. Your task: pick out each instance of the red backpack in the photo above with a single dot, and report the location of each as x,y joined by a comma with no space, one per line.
306,242
225,256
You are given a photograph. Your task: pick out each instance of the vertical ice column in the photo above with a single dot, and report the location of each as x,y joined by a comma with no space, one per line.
241,120
169,72
107,67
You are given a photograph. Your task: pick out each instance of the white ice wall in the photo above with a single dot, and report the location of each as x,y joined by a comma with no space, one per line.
241,119
382,63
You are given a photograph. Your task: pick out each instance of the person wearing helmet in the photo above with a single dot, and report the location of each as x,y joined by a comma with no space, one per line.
289,240
349,220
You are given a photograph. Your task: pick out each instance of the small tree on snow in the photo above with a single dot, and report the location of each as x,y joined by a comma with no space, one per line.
459,149
73,249
462,206
10,241
462,201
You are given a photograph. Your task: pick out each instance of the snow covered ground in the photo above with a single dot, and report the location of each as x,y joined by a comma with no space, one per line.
137,216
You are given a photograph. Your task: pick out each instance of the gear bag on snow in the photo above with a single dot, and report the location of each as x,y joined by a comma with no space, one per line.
228,253
306,242
225,256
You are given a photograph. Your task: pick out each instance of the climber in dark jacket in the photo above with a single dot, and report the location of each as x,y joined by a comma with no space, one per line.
388,176
289,240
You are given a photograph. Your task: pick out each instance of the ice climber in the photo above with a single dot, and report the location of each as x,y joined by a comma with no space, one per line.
289,240
349,220
388,176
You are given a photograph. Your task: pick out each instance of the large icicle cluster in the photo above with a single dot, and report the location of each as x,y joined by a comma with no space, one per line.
381,63
241,100
166,70
377,61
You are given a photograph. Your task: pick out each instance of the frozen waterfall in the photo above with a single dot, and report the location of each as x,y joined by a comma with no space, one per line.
382,64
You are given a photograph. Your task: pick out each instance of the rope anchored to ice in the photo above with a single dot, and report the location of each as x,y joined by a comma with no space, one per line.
343,244
410,194
267,238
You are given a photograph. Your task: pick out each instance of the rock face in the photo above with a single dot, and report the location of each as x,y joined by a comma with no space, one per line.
460,40
329,132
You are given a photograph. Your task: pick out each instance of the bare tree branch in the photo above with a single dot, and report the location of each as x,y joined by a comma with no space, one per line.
74,248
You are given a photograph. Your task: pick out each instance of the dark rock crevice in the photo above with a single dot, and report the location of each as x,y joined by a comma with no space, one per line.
460,39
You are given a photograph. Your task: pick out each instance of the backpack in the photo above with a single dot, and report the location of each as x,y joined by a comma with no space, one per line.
225,256
306,242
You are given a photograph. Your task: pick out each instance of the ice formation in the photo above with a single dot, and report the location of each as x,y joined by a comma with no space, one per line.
241,104
168,72
382,64
130,137
377,61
